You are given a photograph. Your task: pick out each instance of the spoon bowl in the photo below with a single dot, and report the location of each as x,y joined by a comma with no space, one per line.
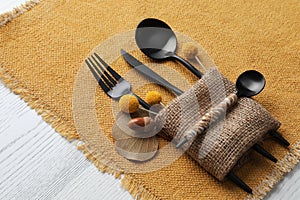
250,83
156,39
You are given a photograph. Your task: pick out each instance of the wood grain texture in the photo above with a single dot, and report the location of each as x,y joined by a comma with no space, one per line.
37,163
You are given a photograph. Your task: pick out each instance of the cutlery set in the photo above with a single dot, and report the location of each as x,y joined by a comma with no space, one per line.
157,40
246,76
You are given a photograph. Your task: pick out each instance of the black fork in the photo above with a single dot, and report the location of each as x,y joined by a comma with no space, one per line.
109,80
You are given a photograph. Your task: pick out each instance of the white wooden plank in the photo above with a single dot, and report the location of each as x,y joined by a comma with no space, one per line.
37,163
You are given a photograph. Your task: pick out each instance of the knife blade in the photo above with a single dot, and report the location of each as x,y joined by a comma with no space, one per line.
146,71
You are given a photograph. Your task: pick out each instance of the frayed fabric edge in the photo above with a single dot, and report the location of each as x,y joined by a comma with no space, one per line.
60,126
17,11
136,190
42,109
281,168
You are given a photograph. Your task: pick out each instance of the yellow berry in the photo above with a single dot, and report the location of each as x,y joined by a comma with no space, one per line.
128,103
189,50
153,97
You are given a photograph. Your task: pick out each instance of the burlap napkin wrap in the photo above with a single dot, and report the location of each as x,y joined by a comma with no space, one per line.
220,147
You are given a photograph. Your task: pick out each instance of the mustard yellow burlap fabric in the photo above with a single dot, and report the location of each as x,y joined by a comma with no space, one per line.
42,50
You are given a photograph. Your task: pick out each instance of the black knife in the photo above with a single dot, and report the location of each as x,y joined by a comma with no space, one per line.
146,71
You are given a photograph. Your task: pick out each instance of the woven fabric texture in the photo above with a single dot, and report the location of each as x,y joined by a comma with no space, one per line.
220,148
42,51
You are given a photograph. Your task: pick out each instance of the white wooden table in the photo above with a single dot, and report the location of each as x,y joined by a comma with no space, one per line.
37,163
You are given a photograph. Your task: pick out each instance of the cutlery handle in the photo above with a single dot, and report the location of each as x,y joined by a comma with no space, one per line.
188,65
158,79
142,102
174,89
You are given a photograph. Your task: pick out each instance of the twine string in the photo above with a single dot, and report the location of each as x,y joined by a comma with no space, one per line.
211,117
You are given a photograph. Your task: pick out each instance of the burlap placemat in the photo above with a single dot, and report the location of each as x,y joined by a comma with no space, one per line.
42,51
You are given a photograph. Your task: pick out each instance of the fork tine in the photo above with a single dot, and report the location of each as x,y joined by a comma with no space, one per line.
104,71
108,83
92,70
96,70
111,71
102,85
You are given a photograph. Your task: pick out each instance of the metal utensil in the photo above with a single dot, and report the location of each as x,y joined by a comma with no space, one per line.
149,73
157,40
250,83
110,81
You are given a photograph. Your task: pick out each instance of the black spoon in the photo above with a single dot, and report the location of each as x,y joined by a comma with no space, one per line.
248,84
157,40
251,83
